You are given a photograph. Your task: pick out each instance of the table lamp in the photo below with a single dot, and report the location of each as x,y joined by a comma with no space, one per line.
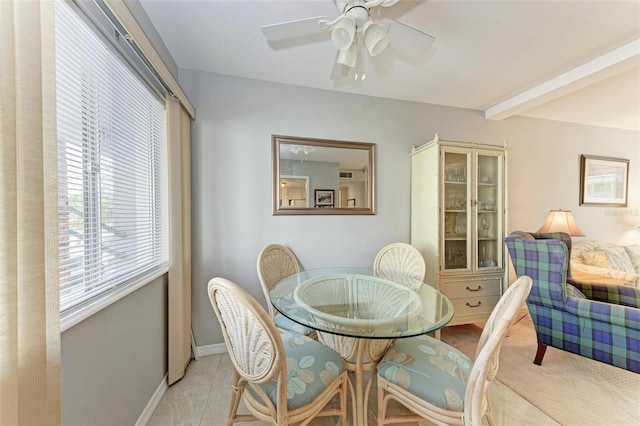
561,221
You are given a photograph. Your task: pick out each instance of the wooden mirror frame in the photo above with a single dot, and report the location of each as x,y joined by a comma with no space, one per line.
325,194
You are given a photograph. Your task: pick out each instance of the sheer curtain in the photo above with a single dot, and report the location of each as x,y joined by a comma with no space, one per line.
29,310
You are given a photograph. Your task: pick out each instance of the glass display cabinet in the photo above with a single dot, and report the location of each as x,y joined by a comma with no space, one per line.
458,222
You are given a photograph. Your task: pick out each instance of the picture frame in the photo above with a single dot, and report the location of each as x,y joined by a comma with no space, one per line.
351,202
324,197
603,181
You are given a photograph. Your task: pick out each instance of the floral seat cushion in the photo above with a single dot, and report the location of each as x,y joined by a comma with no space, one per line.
285,323
429,369
311,367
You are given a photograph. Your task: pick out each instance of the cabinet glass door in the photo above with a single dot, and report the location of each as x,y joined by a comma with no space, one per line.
488,206
456,180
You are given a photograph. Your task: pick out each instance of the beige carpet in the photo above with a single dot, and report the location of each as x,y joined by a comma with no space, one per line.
569,388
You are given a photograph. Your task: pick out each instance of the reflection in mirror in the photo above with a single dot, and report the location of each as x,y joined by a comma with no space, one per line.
294,191
314,176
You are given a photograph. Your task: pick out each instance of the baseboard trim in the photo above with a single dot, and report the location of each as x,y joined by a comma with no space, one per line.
153,402
218,348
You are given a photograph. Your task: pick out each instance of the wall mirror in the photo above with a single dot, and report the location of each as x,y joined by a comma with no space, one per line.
316,176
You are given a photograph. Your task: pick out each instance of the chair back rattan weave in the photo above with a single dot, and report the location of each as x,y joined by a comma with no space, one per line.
248,331
275,262
400,258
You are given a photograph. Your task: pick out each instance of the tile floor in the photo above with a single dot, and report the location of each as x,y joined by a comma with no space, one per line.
202,397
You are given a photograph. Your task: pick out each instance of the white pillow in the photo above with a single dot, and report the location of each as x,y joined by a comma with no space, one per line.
620,259
634,255
597,258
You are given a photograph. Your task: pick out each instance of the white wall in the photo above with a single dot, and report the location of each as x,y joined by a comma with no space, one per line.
544,174
232,176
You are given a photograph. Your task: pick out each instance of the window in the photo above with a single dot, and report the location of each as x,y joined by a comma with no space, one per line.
112,169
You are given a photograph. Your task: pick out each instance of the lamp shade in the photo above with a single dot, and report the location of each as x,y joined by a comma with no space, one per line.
375,38
561,221
348,56
343,33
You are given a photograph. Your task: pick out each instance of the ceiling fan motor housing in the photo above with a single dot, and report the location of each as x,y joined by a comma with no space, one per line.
357,10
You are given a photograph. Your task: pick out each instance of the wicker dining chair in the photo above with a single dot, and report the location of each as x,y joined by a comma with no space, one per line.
282,378
439,383
400,259
275,262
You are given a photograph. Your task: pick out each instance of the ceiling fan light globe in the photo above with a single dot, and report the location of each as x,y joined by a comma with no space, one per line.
375,38
343,33
348,57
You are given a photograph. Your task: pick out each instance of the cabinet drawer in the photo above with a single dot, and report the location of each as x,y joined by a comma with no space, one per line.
472,288
474,305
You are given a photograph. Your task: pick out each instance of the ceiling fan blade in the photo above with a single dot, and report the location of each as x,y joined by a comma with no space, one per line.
292,29
339,71
407,39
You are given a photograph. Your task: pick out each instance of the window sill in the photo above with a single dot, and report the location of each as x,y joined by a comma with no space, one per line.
83,311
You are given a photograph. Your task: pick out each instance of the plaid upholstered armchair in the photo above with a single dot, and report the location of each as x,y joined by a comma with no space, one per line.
598,321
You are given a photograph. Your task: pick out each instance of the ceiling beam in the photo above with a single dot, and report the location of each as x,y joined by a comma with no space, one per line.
598,69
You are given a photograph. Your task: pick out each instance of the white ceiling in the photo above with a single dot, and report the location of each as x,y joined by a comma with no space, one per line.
566,60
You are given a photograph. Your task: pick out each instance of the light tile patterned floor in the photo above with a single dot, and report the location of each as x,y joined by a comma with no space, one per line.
202,397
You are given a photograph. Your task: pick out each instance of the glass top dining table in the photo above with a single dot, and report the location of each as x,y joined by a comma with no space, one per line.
362,303
359,312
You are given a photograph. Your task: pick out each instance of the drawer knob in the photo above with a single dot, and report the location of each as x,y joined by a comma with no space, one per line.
475,289
474,306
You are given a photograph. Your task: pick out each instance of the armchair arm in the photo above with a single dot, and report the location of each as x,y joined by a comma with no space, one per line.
624,316
615,294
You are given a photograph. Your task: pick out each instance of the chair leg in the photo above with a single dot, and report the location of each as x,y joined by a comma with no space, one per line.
382,409
236,393
491,421
343,401
540,354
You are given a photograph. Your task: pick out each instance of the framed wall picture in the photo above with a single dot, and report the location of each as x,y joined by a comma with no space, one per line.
603,181
324,197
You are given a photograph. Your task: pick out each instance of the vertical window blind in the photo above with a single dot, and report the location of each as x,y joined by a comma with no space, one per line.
112,166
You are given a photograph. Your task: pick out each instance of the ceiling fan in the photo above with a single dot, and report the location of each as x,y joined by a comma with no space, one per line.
355,24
